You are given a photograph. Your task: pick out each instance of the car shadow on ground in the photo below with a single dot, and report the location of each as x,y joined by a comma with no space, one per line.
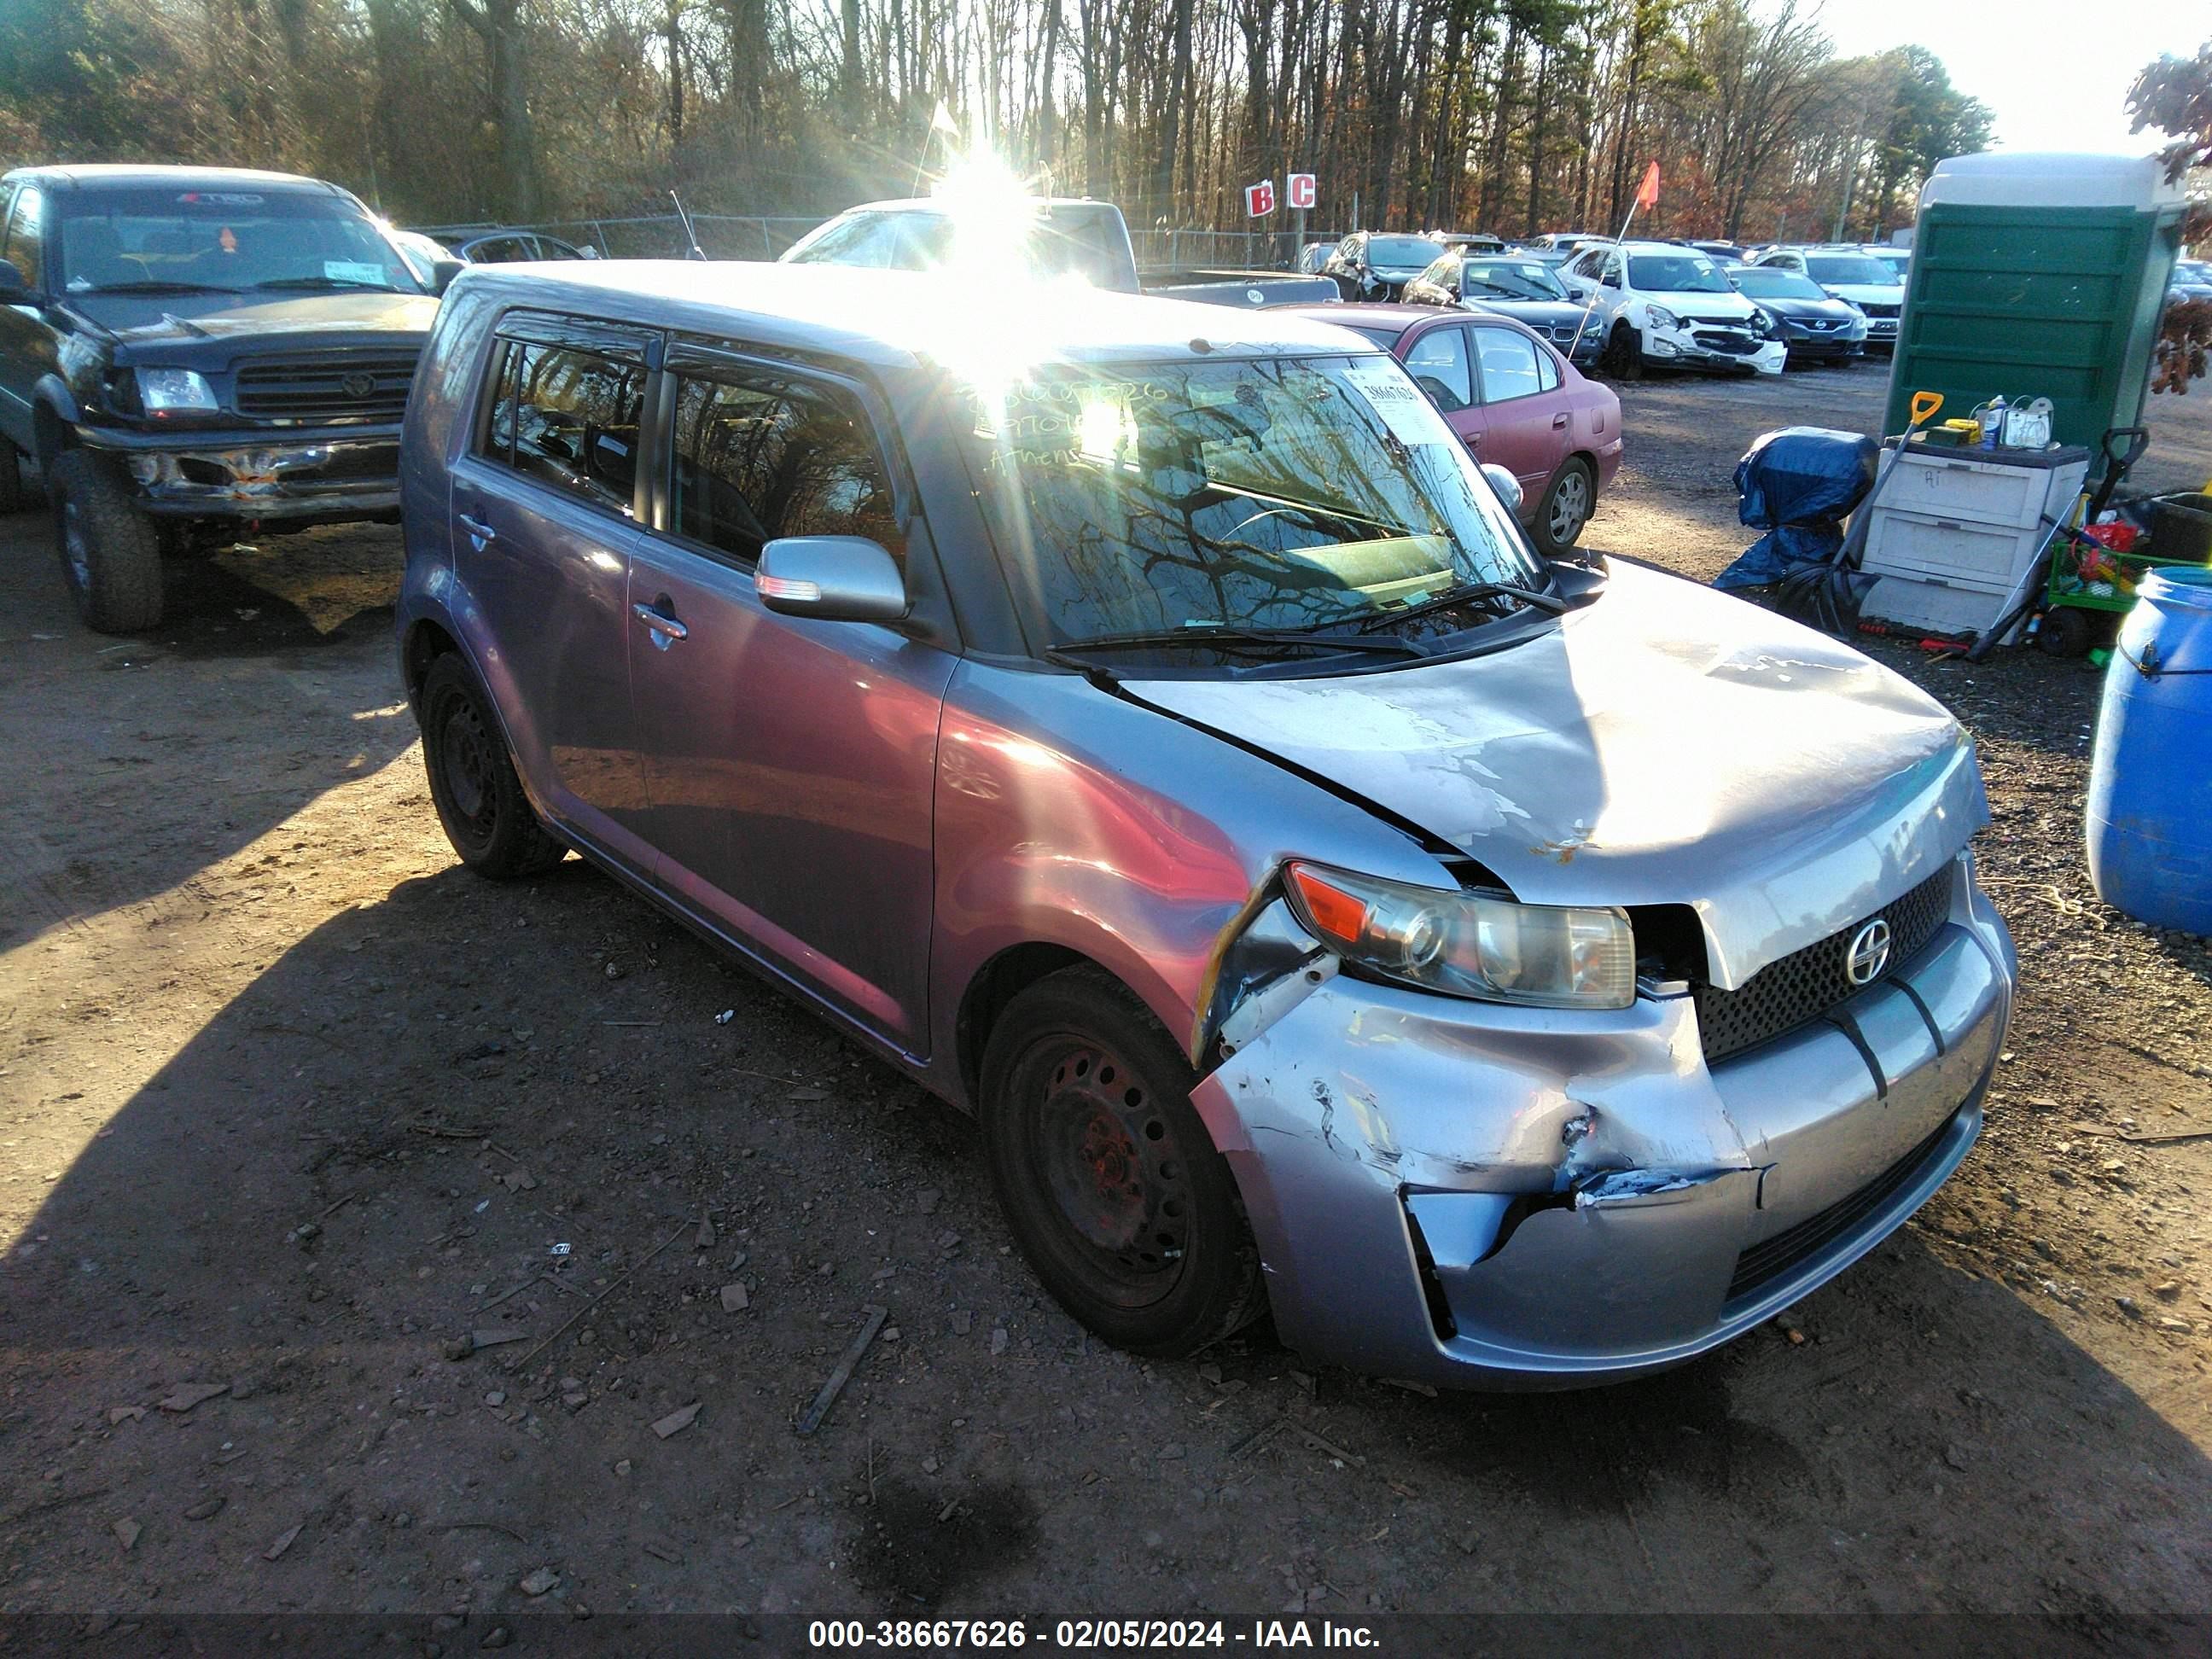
154,760
476,1109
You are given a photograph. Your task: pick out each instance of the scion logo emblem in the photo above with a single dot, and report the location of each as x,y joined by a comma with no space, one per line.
1869,953
358,385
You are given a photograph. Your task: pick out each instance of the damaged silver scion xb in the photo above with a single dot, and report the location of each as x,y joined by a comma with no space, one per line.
1148,727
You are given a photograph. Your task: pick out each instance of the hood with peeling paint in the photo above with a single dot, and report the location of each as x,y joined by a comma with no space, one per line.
1665,744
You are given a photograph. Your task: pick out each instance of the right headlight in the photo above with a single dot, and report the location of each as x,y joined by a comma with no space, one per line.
1660,317
175,391
1469,944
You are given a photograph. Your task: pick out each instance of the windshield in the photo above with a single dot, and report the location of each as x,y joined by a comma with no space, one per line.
232,240
1402,251
1675,273
1509,279
1307,494
1762,283
1850,270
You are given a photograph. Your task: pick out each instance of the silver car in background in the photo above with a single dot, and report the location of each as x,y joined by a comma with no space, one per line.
1143,725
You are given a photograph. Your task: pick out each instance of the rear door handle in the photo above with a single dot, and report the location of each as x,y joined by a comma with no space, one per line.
660,622
482,532
1560,419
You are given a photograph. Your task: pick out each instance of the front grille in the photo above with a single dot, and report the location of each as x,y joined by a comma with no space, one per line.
1876,309
1804,985
327,388
1770,1258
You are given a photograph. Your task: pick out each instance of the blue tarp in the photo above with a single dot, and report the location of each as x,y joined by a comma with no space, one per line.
1797,484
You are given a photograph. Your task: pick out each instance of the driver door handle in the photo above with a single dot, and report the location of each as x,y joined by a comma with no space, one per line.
482,532
661,622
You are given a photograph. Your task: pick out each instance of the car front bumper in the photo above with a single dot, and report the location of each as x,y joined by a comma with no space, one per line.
335,473
1683,348
1474,1195
1823,346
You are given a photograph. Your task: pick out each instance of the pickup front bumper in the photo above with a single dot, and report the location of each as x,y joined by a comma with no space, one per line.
335,473
1474,1196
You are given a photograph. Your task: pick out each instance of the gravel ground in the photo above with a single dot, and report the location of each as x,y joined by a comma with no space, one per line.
288,1102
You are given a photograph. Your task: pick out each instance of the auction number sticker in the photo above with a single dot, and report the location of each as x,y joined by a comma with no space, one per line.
1412,418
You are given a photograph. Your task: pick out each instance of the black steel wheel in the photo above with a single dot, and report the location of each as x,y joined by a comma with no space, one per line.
1115,1193
480,800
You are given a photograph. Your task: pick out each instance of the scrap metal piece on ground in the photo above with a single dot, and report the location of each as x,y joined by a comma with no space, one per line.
823,1401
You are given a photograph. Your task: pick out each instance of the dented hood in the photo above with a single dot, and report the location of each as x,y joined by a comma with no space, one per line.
1665,744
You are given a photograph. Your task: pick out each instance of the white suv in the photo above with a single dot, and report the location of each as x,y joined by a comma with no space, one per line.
1851,274
1659,302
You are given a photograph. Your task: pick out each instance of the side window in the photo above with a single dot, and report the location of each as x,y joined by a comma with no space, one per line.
568,418
758,455
1438,363
1547,371
24,249
1508,365
1611,276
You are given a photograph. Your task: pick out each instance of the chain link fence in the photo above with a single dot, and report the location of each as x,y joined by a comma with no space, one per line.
745,236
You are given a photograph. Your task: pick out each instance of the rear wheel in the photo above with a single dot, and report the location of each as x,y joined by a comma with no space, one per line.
479,799
1565,509
1113,1186
111,556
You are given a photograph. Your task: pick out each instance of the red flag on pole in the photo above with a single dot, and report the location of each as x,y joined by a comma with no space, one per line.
1647,193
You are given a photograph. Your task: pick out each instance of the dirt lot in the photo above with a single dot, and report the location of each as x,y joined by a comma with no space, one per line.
290,1101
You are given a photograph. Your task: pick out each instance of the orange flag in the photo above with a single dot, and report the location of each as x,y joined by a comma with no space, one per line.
1647,193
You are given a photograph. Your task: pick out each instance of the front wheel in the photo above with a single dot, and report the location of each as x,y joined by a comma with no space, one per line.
110,555
480,800
1624,354
1566,507
1112,1185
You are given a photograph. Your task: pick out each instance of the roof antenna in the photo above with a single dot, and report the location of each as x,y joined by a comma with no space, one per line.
690,236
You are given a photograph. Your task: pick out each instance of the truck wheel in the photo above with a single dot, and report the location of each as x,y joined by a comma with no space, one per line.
1113,1189
1624,354
110,557
1565,509
480,801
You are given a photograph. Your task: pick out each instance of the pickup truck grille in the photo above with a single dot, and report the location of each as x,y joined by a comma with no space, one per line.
327,389
1802,986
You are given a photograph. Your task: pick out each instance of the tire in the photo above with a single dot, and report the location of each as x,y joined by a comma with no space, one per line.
1114,1190
2067,631
480,802
110,557
1568,502
1624,354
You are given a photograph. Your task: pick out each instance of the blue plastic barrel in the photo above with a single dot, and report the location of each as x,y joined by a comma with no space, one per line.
2150,781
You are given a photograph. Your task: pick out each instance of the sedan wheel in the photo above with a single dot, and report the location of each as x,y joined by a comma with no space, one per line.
1565,509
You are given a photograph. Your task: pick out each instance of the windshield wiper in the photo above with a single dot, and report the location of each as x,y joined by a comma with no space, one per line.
1232,637
305,283
1470,593
152,288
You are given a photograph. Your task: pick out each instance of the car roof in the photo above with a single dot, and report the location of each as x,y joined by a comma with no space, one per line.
896,319
1642,247
126,174
1399,320
931,204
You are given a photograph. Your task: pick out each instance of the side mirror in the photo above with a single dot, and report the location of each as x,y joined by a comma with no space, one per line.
831,579
12,289
442,272
1507,486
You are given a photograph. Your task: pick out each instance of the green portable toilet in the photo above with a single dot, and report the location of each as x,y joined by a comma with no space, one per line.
2038,275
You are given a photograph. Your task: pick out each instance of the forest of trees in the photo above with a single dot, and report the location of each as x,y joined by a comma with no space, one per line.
1507,115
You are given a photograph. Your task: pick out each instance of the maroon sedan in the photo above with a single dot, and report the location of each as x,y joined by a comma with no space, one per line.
1513,400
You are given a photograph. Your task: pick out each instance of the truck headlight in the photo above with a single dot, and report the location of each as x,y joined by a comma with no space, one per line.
175,391
1660,317
1469,944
